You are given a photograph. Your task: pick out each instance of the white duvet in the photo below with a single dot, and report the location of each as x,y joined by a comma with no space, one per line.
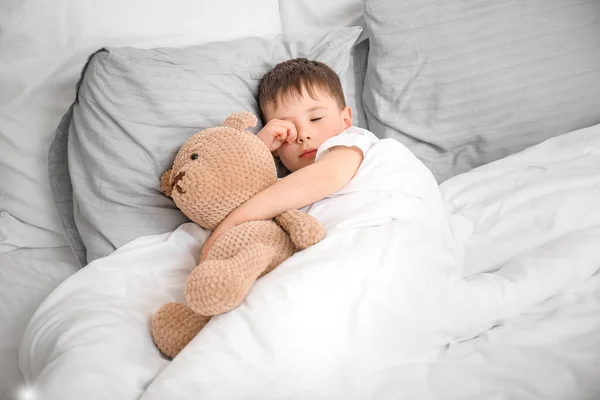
358,316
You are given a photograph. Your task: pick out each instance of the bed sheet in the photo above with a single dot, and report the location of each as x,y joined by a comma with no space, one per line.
27,276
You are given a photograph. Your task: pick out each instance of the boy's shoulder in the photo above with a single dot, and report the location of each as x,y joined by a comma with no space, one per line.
351,137
355,130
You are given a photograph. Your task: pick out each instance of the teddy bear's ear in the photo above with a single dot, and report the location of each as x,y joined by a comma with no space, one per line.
165,182
241,120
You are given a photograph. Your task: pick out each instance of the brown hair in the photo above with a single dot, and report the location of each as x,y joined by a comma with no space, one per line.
288,78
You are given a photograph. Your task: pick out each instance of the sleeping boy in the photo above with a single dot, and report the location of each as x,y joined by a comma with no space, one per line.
359,179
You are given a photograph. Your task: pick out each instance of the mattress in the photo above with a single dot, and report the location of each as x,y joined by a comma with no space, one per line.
526,230
27,276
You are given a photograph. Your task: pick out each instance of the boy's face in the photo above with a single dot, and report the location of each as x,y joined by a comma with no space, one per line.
316,120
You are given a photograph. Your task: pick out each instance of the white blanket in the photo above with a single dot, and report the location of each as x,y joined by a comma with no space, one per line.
343,319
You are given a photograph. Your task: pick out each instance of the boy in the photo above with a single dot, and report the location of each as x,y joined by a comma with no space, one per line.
309,127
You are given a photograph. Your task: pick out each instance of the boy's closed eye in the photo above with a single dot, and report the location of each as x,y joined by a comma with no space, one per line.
315,119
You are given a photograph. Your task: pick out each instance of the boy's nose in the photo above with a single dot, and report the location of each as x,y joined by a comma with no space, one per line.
303,136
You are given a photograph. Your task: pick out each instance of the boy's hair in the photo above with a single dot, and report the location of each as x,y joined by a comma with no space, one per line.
288,79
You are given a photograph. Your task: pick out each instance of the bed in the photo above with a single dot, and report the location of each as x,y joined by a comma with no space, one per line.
498,99
28,276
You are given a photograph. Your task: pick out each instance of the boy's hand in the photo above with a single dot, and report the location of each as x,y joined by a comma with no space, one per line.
276,132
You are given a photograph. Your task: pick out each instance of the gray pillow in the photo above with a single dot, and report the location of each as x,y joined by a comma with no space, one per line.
355,81
463,84
133,111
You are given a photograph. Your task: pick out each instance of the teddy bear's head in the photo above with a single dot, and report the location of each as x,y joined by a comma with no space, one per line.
218,169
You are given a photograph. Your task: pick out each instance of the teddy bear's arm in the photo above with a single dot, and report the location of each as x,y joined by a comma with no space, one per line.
304,229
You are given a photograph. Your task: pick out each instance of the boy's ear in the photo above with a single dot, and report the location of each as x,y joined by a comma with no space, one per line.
347,117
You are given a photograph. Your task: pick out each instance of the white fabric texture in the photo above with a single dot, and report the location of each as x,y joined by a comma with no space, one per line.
43,47
27,276
370,312
391,183
351,137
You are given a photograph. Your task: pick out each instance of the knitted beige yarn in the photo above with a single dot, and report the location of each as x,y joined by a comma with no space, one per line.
214,172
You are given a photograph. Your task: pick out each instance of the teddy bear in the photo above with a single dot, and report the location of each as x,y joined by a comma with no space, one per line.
214,172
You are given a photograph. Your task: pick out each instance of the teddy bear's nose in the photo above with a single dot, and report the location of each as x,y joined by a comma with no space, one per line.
175,182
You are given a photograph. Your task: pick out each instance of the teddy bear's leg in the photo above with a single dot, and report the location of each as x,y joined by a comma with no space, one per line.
174,325
217,286
304,229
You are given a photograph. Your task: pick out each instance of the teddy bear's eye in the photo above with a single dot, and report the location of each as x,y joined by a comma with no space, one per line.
194,156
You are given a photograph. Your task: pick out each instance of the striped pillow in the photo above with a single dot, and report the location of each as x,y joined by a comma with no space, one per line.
463,82
136,107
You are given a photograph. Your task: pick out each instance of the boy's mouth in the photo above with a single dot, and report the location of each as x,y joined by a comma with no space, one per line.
309,153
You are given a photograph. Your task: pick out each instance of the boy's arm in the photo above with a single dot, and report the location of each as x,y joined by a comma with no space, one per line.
301,188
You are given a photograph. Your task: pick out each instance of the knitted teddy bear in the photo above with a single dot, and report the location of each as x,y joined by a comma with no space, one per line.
215,171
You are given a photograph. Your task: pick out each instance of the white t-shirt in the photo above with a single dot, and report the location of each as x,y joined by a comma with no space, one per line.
390,184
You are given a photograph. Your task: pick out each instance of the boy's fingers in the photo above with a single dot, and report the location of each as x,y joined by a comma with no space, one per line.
292,135
287,125
283,131
281,135
291,132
